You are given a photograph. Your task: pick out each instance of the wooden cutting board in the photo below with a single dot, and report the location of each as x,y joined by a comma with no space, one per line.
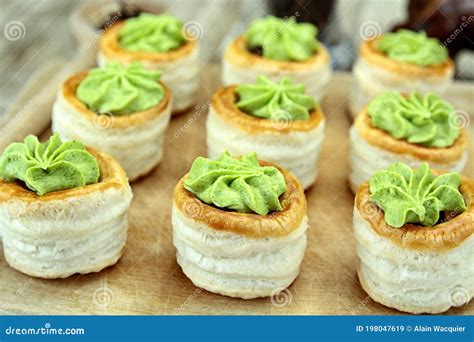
147,280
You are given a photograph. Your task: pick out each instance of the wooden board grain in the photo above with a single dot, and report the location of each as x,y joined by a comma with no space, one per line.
147,280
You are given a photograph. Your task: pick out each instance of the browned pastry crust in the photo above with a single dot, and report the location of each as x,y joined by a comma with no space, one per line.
238,54
120,121
442,237
110,48
276,224
374,57
383,140
223,103
112,175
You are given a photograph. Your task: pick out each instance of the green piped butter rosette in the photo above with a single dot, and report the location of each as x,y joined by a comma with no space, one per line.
272,100
412,47
49,166
282,39
152,33
415,196
238,184
120,89
424,120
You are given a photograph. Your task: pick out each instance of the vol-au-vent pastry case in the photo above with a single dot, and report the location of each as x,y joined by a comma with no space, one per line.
409,128
63,208
402,61
159,42
239,226
276,119
277,48
123,110
414,231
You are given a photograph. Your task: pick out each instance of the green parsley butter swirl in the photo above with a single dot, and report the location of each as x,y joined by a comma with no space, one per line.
49,166
152,33
275,100
412,47
282,39
240,185
415,196
424,120
120,89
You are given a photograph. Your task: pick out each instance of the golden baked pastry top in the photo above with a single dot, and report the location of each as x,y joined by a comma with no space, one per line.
276,224
238,54
442,237
371,55
223,104
112,175
68,90
110,47
383,140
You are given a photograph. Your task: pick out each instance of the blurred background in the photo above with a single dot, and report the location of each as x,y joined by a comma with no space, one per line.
37,33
